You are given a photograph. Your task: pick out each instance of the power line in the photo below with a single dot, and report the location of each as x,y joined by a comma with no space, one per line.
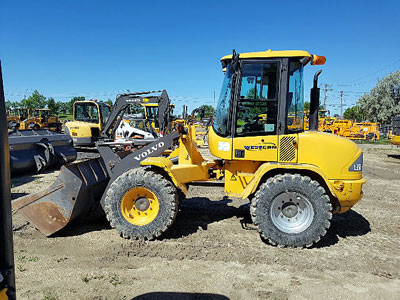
358,82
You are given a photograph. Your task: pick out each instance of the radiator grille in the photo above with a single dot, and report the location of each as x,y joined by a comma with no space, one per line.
287,151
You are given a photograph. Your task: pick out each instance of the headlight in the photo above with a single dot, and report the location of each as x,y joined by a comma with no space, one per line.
357,165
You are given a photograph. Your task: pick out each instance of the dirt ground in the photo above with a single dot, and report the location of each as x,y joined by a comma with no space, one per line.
214,252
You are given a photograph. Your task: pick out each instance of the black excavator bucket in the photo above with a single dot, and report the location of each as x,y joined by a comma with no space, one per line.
36,150
75,194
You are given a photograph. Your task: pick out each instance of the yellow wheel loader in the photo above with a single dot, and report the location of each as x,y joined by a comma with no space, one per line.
17,116
41,118
394,134
294,179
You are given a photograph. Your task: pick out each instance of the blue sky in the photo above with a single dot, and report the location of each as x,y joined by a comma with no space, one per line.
100,48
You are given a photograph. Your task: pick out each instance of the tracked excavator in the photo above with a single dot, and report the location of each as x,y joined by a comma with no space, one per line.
294,179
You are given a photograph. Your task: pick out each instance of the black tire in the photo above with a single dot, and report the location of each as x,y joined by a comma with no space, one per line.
313,215
34,126
161,187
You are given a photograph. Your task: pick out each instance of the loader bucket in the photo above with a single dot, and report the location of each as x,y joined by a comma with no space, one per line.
75,195
36,150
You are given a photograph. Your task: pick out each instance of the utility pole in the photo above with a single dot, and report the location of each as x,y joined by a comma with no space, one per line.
341,104
326,88
214,98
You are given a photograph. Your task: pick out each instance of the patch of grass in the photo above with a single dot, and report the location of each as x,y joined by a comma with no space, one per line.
50,295
21,258
380,142
21,268
65,117
85,278
114,280
33,258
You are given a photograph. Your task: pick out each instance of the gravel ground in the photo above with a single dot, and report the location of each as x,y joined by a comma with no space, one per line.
214,252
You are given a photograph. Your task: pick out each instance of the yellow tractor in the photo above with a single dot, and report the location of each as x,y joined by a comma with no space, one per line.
394,134
294,179
41,118
89,118
16,116
365,131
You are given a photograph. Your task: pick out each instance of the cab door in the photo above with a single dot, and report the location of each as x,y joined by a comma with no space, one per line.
291,112
255,125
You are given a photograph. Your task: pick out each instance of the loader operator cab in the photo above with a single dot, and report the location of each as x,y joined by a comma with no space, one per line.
262,96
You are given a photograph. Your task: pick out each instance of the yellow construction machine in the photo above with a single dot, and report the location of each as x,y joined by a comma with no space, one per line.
89,118
394,134
16,116
41,118
365,131
294,179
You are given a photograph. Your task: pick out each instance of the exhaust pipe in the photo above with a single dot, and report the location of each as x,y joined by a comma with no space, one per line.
314,103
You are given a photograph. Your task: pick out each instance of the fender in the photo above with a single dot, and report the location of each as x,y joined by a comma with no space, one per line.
165,164
266,167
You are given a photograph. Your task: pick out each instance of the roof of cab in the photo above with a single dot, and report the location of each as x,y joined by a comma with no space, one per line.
270,53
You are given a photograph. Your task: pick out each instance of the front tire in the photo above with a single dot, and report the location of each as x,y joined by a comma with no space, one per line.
141,204
291,210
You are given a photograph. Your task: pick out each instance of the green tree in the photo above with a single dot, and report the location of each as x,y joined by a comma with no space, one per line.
70,104
353,113
109,102
306,106
35,100
382,103
208,110
53,106
63,107
9,105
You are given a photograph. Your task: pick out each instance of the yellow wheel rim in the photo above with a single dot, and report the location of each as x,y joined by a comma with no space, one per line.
140,206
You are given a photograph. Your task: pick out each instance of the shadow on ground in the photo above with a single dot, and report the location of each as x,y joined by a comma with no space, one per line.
194,213
180,296
345,225
199,212
396,156
79,228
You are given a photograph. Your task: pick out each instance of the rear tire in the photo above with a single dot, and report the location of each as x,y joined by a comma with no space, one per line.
291,210
141,204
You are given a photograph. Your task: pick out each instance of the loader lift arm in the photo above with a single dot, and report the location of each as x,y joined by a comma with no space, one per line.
122,103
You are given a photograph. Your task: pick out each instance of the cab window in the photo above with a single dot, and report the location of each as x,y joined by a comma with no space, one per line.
295,100
257,107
